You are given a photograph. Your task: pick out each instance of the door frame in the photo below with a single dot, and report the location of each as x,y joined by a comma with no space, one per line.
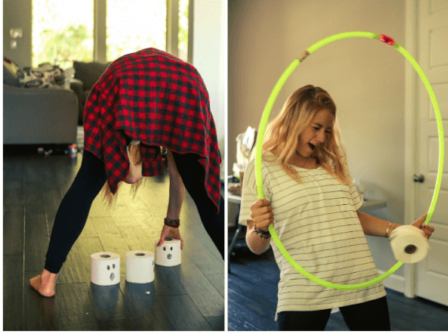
411,33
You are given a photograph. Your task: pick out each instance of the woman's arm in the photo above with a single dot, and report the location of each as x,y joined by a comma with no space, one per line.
255,243
176,198
374,226
262,217
177,189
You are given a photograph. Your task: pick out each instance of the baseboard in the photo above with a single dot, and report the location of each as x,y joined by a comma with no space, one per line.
393,282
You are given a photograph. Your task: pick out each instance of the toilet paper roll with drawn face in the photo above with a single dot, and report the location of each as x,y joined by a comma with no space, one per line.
105,270
409,244
139,266
169,253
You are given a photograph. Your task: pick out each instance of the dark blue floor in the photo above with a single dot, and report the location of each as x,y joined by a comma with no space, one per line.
252,299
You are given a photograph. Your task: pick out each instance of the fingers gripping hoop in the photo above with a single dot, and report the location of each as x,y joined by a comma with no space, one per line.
262,129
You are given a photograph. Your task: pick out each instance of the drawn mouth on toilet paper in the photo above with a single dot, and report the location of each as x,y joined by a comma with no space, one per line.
112,275
169,255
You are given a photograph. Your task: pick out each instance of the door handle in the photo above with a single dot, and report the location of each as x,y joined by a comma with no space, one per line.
419,178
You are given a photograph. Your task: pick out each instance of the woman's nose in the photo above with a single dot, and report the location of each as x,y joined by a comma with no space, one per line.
321,137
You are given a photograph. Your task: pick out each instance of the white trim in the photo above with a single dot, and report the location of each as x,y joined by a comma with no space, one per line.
99,31
410,132
191,32
224,92
394,282
172,27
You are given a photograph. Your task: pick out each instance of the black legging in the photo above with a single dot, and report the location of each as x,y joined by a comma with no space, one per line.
75,206
369,316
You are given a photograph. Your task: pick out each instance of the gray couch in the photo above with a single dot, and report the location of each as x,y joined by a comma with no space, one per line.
86,75
37,116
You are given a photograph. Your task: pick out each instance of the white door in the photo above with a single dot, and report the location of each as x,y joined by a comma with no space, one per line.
432,45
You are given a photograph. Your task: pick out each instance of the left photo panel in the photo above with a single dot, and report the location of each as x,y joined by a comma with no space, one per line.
114,138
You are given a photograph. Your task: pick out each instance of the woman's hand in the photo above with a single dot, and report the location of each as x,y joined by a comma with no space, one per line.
173,233
262,214
427,229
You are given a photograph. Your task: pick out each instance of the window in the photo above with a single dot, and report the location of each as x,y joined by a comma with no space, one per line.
183,29
62,32
133,25
103,30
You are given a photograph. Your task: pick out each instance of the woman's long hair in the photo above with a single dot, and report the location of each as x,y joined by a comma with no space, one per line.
283,132
136,158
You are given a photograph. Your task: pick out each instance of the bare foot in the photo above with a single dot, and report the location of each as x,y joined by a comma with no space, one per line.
134,173
44,283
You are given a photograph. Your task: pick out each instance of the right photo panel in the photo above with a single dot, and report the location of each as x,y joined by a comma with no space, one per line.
336,118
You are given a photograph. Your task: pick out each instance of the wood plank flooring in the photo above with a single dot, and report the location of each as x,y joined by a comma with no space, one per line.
185,297
252,299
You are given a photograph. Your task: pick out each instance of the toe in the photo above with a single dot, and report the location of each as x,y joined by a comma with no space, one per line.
35,282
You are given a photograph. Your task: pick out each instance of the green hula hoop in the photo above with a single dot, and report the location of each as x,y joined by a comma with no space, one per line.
262,129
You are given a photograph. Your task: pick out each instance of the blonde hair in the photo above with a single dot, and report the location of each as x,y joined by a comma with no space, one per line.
135,157
283,133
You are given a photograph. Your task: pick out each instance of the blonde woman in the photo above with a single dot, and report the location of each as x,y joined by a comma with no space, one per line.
143,101
313,204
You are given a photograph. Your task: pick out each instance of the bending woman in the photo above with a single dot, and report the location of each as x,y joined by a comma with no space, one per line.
143,101
314,203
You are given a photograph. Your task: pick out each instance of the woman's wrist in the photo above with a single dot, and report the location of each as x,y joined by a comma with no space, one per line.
255,243
391,227
173,223
265,234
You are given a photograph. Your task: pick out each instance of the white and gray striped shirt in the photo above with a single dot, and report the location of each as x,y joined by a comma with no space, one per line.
317,223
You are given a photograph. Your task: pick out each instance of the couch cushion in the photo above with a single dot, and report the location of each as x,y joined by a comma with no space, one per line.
86,95
89,72
43,77
10,72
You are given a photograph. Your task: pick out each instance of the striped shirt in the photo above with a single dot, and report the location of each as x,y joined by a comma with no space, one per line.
317,223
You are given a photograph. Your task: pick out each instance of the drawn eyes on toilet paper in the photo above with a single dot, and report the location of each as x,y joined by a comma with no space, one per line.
112,274
169,255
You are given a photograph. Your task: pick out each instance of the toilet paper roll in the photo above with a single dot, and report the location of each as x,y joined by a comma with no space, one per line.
409,244
169,253
105,270
139,266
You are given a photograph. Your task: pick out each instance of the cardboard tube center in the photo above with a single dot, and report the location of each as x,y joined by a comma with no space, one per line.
410,249
105,256
140,254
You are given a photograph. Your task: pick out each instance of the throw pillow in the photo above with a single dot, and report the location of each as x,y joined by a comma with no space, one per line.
10,69
43,77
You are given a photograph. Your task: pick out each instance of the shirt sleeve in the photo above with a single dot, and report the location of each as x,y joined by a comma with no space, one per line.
249,191
357,203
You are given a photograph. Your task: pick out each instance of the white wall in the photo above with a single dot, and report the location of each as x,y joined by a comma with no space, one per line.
210,59
17,14
365,78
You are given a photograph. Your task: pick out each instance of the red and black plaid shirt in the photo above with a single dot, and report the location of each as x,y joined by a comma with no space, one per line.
157,99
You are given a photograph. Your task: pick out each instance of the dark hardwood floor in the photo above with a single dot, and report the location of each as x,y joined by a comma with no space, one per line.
185,297
252,299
